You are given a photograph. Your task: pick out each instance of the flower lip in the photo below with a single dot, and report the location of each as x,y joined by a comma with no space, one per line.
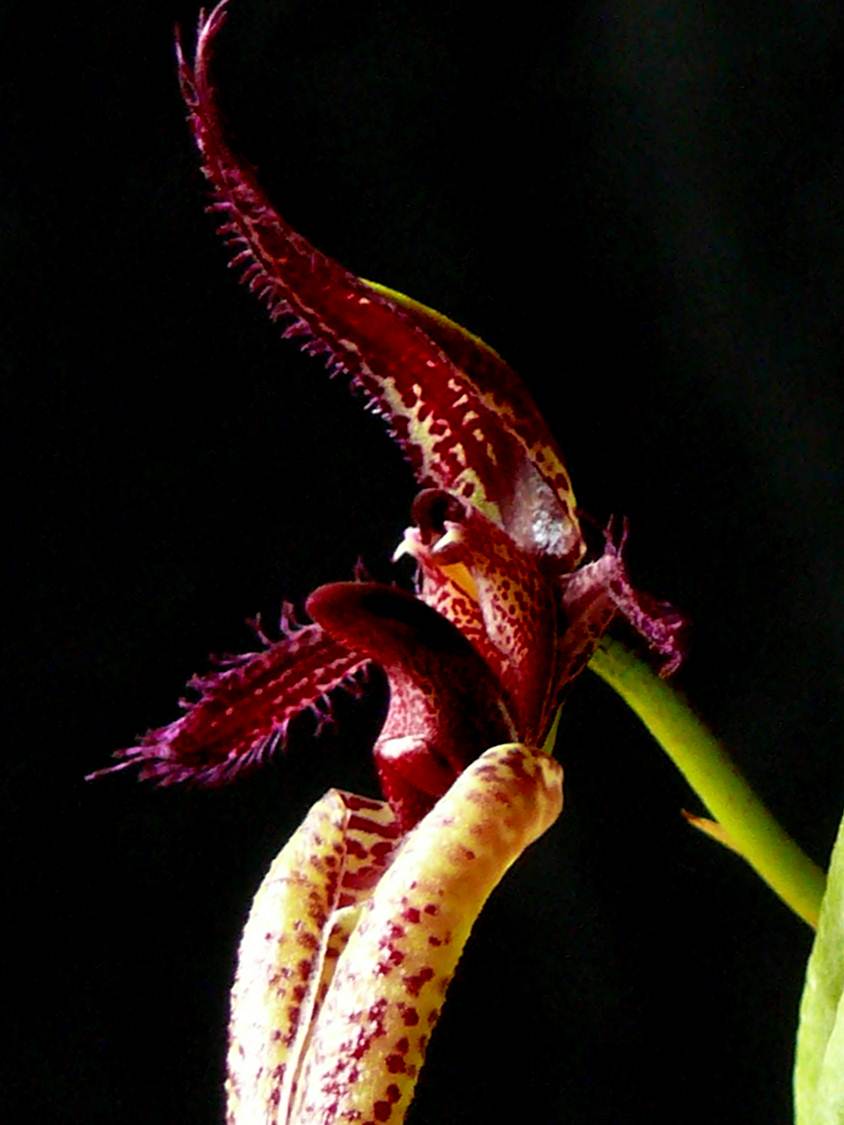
380,620
446,703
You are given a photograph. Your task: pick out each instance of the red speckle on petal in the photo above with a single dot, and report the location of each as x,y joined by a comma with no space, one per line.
410,1017
369,826
377,1010
355,848
356,803
415,982
382,1111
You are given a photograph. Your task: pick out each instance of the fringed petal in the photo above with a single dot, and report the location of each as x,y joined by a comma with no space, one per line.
455,437
445,703
599,591
243,710
299,923
591,599
371,1035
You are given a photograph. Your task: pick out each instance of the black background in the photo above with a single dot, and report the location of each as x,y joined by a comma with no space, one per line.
639,205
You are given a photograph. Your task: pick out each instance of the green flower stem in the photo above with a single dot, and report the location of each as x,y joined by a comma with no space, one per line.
748,826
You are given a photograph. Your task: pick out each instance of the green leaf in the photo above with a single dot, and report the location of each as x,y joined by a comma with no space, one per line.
819,1072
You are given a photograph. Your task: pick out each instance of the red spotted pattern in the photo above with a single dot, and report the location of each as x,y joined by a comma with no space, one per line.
478,434
355,933
535,626
497,542
298,926
518,602
389,986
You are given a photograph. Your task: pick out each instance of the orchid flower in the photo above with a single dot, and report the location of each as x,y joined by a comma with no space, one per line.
506,612
356,930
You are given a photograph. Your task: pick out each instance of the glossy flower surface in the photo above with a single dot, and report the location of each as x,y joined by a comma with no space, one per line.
355,933
506,612
354,936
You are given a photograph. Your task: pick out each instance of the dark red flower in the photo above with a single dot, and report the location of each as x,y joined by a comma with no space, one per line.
506,612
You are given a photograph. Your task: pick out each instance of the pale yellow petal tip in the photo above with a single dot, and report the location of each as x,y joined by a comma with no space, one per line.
712,829
409,545
514,771
453,535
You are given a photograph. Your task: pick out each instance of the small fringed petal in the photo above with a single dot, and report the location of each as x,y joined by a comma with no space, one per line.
243,710
599,591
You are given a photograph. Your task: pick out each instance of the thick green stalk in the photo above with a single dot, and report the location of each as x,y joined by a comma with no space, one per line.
747,825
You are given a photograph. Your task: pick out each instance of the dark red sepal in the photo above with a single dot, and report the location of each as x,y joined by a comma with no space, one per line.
483,441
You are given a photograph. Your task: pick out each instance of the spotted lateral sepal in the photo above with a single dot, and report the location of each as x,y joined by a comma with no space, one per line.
353,938
299,923
385,997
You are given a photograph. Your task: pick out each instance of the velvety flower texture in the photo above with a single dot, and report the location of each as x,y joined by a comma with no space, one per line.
357,928
506,611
